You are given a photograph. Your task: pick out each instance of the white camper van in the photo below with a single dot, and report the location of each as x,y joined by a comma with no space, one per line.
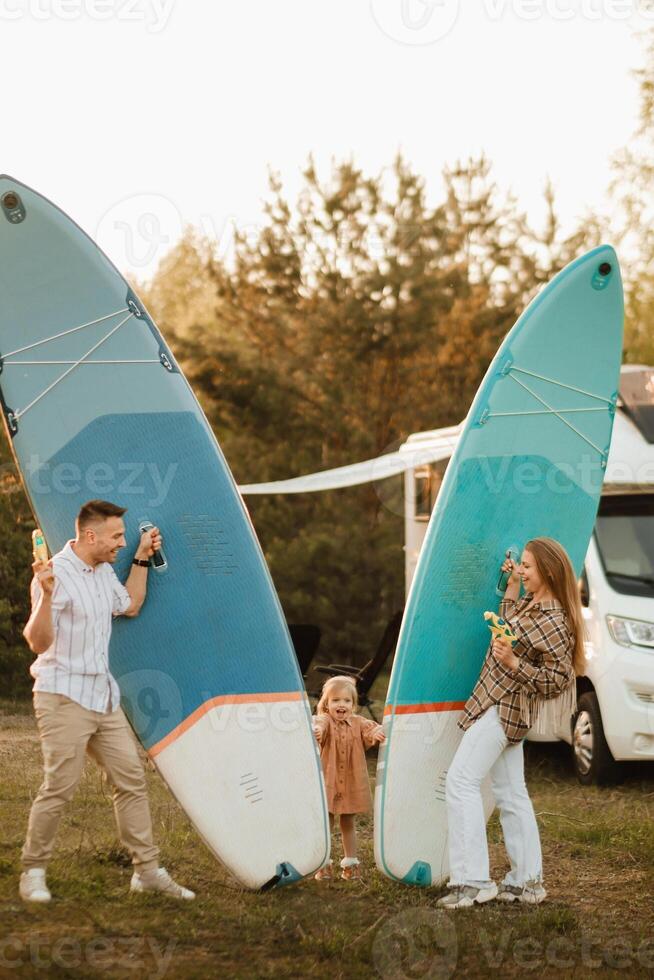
615,717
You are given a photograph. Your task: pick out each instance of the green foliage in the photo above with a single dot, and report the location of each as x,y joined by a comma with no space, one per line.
347,322
16,525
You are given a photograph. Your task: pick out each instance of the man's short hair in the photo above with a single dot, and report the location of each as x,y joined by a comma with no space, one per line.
95,511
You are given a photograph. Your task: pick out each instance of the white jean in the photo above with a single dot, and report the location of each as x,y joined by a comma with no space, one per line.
485,749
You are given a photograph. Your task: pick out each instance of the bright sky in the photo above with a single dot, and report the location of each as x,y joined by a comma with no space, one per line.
139,116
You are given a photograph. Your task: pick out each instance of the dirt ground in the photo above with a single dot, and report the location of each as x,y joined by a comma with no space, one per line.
598,920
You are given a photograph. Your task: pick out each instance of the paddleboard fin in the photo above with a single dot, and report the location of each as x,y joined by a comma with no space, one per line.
285,874
419,874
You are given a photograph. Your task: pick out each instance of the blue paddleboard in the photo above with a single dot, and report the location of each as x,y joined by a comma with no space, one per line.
96,406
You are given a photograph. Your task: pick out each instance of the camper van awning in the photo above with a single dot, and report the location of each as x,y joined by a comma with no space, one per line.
630,466
356,474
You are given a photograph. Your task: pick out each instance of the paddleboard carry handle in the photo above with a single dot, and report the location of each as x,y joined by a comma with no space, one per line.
503,581
158,560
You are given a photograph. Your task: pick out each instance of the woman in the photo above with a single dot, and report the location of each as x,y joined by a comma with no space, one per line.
515,692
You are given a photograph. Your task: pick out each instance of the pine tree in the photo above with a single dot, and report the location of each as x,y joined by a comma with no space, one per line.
359,316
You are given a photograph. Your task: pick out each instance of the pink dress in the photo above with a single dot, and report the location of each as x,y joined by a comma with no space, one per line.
343,756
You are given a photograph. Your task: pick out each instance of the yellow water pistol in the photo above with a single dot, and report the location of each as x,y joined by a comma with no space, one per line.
39,547
499,627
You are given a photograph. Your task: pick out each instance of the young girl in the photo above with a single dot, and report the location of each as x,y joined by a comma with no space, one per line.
519,687
343,737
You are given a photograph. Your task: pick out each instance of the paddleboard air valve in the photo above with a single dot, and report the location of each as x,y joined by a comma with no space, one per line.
13,208
158,560
602,276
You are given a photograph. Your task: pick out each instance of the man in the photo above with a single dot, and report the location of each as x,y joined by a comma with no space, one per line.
76,699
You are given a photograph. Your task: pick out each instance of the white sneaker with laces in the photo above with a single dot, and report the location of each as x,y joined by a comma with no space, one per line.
465,896
159,880
32,887
531,893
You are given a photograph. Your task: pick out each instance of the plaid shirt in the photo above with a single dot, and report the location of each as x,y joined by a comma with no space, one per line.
544,645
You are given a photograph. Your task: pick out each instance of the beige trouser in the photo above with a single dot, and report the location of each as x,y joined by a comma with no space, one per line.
67,732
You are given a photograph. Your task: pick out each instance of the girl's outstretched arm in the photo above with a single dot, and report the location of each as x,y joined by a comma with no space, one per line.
320,724
371,733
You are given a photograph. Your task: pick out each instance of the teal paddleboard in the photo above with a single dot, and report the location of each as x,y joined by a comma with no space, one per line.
530,461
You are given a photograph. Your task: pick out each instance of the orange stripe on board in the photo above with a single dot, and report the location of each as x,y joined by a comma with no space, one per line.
217,703
415,709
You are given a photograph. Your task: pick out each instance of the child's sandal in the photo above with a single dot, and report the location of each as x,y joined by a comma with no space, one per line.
325,873
351,869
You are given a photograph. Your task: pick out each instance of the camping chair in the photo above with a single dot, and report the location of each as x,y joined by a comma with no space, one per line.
306,639
364,677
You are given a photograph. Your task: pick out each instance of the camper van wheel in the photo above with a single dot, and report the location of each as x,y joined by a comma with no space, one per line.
592,757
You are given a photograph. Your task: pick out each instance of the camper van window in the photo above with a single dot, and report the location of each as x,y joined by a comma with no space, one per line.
427,481
637,396
624,531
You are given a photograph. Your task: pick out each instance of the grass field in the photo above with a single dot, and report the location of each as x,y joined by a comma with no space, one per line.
598,920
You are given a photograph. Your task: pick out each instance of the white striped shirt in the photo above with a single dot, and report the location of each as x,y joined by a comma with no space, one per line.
84,600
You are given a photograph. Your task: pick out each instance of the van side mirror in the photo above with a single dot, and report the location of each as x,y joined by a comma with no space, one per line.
583,589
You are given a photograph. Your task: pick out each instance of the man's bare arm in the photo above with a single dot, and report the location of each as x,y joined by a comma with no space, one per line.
137,580
39,631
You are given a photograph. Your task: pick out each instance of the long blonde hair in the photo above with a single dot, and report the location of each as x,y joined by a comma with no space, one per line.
333,684
556,571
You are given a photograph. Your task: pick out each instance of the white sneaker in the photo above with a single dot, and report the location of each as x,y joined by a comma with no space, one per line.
531,893
32,887
159,881
465,896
